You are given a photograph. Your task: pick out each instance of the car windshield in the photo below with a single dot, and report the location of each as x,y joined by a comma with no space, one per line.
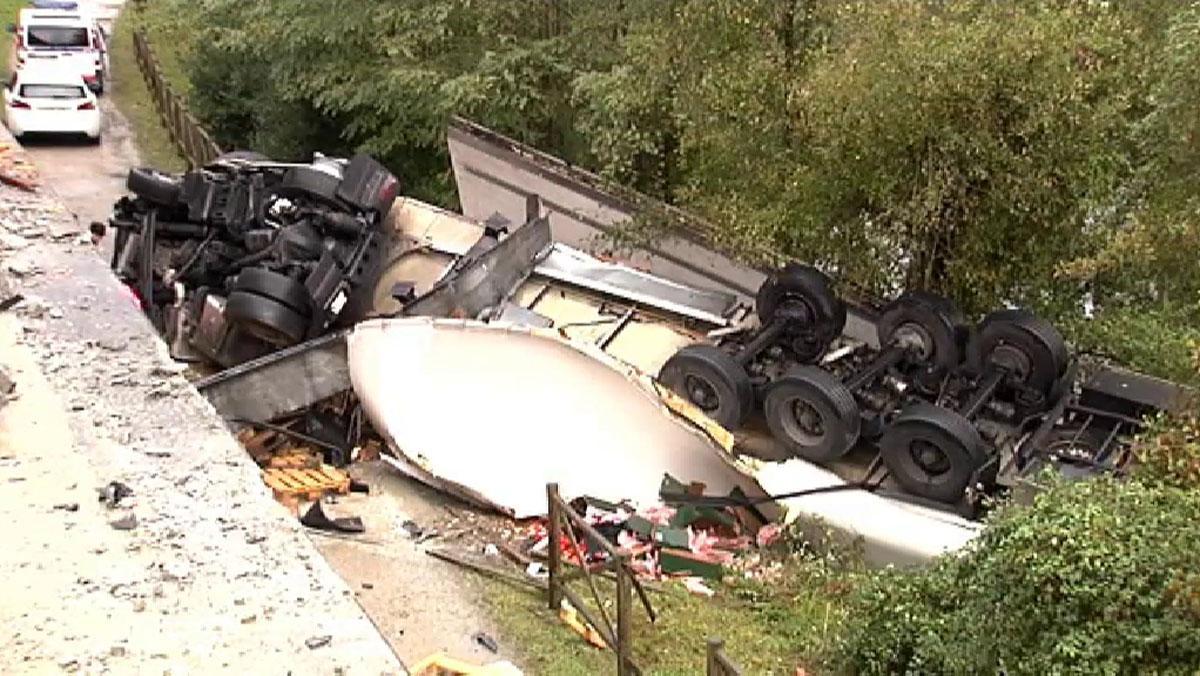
51,92
57,36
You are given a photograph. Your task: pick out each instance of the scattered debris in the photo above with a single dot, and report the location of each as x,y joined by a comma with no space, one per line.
315,642
8,386
126,522
440,664
113,493
485,568
486,641
315,517
570,617
411,529
696,586
68,506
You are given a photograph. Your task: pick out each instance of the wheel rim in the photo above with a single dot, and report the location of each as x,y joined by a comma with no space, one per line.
929,457
803,422
702,393
797,307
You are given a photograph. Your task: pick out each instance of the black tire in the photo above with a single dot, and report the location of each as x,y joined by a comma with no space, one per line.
154,186
805,295
933,452
713,381
274,286
310,182
812,413
809,285
265,319
923,319
1029,347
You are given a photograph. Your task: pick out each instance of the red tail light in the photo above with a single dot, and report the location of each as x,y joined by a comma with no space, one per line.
87,105
20,104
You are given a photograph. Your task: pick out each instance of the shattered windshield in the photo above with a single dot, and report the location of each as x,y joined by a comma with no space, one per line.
56,36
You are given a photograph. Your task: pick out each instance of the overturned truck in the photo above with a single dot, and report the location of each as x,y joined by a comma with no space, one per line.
910,410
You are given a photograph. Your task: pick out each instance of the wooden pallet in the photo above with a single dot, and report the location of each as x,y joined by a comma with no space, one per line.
293,484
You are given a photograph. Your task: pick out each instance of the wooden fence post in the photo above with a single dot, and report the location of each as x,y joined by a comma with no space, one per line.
555,552
625,665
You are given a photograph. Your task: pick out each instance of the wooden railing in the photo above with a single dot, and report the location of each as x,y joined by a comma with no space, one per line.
718,663
193,141
619,635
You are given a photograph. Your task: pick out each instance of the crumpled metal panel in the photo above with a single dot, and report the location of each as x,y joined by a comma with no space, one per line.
573,266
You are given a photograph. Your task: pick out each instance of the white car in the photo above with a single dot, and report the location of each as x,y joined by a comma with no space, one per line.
72,38
50,100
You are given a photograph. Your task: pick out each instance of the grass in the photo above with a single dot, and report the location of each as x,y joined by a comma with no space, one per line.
768,629
132,98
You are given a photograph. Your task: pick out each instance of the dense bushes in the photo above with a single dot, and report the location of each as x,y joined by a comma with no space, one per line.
1094,577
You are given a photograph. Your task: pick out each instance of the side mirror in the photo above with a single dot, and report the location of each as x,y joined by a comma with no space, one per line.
11,28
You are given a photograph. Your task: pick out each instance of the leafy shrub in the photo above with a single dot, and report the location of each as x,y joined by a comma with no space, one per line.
1093,577
1169,451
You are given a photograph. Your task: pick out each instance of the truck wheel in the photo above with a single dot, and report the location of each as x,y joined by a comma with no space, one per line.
154,186
932,452
931,326
805,296
265,319
273,286
713,381
1027,346
813,414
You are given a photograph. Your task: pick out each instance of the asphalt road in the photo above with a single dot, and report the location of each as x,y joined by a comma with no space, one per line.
89,178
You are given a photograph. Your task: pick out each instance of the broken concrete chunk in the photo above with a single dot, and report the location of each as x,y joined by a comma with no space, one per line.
126,522
7,384
317,642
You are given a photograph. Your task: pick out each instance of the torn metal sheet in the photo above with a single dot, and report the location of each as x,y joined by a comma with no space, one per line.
282,382
493,413
572,266
482,282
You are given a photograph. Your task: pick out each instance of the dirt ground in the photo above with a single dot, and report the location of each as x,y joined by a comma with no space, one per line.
419,604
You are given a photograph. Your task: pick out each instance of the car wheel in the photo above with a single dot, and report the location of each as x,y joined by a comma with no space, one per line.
1027,346
812,413
933,452
805,296
931,326
154,186
265,319
280,288
711,380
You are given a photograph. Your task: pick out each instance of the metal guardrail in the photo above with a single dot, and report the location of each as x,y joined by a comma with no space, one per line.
193,141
